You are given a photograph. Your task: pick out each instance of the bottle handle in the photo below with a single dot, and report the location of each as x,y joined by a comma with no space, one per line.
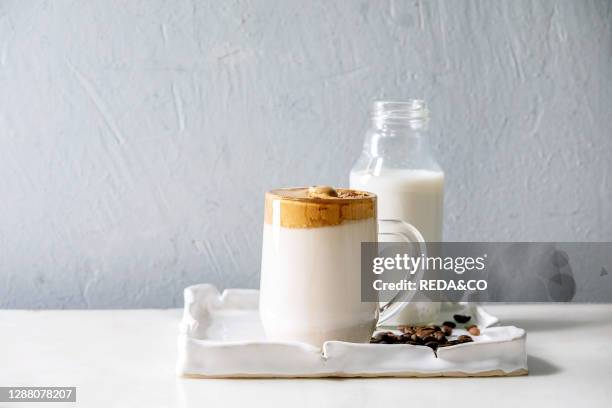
407,233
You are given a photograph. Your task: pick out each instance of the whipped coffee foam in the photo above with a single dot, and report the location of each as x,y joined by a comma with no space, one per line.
318,206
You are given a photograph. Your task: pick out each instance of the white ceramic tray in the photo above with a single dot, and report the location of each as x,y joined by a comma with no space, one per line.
221,336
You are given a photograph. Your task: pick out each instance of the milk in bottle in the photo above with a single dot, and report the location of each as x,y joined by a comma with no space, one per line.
397,165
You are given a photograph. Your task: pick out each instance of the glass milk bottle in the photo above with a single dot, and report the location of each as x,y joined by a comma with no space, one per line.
397,165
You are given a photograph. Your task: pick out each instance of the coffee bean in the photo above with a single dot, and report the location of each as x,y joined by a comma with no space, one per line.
416,339
404,338
384,338
424,331
473,329
447,330
428,339
461,318
390,338
464,339
379,336
452,325
439,336
434,327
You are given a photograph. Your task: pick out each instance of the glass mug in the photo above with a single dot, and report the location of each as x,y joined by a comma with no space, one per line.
311,264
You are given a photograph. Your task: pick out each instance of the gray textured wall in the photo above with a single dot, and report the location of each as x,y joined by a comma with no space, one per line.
137,137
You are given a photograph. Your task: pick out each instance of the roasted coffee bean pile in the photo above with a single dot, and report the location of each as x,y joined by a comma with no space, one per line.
432,336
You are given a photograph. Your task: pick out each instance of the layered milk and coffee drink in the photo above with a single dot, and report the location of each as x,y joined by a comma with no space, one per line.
310,274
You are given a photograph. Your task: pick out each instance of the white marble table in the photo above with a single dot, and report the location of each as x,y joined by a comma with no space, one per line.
126,359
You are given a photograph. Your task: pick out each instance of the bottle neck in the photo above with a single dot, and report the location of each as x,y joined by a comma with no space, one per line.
397,138
408,118
407,128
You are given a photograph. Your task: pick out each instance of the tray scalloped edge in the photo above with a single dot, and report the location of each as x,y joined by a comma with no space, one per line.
204,353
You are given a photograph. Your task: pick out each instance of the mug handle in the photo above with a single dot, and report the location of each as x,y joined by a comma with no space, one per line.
406,233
